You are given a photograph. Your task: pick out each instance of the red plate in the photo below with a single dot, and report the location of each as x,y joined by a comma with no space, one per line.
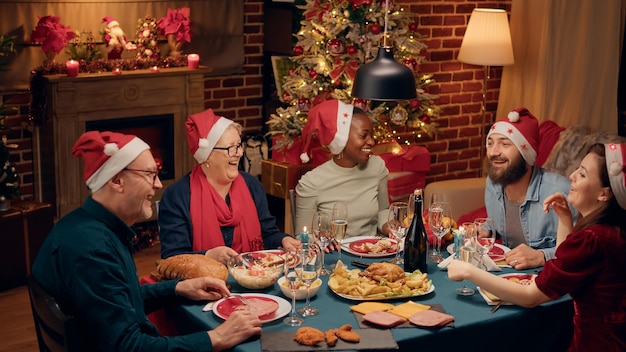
261,256
356,246
268,306
522,279
496,253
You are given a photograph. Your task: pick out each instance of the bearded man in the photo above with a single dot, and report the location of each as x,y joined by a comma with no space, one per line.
516,188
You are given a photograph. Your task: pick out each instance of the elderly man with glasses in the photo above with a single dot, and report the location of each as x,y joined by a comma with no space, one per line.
211,210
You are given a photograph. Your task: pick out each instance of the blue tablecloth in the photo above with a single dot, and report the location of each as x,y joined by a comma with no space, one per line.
511,328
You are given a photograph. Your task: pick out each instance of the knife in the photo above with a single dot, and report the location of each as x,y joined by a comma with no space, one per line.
360,264
497,306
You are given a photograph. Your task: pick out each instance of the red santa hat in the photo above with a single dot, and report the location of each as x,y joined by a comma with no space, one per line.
106,154
615,160
110,21
203,131
522,128
330,122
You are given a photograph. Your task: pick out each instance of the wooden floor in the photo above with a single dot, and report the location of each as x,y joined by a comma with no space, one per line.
17,330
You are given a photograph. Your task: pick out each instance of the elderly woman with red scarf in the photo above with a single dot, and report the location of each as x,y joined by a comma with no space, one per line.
211,209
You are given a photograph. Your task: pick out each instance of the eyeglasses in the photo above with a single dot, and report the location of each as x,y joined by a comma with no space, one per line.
232,150
154,174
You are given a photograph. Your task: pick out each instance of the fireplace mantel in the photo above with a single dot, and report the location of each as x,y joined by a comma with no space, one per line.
74,101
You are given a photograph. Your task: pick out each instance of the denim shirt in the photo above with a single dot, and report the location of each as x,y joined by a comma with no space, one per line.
539,228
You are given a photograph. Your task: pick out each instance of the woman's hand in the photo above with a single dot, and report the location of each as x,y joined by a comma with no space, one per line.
291,244
221,253
558,203
202,288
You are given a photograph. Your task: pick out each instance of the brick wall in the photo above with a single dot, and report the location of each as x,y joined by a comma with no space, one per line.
239,97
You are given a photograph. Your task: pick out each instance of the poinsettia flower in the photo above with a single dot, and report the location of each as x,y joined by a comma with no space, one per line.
52,34
176,22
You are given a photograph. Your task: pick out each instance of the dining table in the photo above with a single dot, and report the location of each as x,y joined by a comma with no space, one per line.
547,327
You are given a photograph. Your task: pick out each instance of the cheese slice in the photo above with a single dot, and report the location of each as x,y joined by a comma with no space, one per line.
407,309
367,307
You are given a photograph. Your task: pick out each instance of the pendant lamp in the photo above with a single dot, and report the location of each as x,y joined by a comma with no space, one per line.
384,78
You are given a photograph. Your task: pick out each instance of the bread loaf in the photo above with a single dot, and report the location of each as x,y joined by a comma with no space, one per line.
188,266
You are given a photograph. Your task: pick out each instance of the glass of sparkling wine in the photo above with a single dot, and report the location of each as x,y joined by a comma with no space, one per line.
439,215
322,230
398,223
466,254
339,223
293,280
309,270
485,237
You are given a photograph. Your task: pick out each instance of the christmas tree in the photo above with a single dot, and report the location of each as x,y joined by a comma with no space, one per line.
337,37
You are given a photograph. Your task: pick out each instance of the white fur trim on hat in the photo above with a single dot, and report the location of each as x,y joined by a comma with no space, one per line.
206,145
344,120
615,166
120,159
511,132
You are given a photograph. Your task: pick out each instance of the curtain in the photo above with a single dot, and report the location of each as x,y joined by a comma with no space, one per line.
567,58
217,29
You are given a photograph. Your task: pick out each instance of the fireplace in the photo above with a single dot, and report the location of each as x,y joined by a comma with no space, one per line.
151,105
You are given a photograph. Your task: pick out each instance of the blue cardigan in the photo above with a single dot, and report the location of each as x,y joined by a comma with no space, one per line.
175,227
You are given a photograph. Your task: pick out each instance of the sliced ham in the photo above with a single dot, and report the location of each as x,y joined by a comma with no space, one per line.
430,318
384,319
263,307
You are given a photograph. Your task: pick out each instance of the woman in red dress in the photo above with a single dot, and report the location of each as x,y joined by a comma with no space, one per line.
590,263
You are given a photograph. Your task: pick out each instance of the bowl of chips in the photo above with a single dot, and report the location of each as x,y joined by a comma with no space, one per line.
301,291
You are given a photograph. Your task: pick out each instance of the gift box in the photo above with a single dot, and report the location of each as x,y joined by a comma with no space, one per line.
402,184
406,158
291,155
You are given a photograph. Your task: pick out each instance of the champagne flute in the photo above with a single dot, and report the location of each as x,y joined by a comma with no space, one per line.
439,215
466,254
485,237
293,280
322,230
398,224
339,223
309,270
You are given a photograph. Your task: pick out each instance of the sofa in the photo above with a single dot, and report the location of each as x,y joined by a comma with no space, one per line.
560,150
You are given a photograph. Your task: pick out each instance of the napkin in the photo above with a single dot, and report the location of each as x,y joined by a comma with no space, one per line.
490,298
487,261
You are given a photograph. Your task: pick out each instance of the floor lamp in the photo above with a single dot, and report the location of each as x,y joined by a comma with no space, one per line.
487,42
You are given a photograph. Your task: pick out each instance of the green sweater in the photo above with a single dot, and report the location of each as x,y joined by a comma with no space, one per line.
86,263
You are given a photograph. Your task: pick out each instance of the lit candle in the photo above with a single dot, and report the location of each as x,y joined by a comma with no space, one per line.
117,71
72,68
154,69
304,235
193,61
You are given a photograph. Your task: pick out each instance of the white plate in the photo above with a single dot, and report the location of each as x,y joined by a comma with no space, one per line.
284,307
345,246
381,297
494,256
508,276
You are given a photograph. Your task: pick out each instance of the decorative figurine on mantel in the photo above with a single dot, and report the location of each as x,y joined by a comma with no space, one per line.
115,39
176,27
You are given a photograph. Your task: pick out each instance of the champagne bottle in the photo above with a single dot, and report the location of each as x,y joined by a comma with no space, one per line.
416,242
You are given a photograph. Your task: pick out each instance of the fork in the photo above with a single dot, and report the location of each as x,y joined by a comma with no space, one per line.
243,300
496,307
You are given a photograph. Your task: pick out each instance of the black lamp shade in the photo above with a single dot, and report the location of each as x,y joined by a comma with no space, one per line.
384,79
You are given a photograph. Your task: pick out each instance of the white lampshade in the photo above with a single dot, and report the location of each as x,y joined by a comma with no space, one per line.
487,39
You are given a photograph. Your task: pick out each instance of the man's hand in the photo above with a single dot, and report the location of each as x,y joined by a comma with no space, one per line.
239,326
202,288
291,244
524,257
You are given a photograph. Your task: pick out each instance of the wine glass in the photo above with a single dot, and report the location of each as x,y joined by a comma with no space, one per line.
398,223
435,198
466,254
293,280
485,237
322,230
339,223
439,215
309,270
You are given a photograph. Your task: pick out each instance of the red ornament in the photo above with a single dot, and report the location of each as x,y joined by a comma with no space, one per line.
352,50
312,74
425,119
415,103
413,27
292,71
375,28
303,104
360,103
335,47
287,98
298,50
411,63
